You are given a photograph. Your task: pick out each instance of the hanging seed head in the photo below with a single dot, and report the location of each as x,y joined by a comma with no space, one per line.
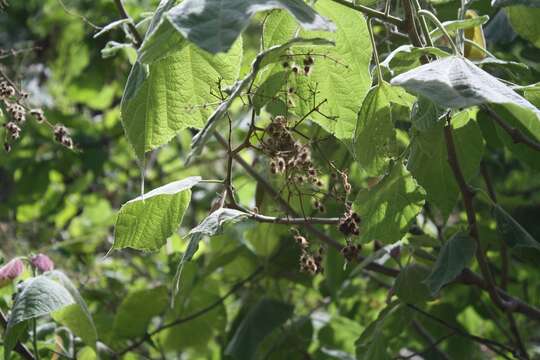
301,241
308,61
38,115
7,147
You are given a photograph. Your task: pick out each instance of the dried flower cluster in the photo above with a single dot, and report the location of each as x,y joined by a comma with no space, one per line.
287,155
12,101
349,224
310,263
304,68
350,251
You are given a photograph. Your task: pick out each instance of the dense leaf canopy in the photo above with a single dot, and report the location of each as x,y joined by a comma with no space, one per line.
270,179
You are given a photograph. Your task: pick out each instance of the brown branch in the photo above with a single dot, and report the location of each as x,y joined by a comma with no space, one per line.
19,347
371,12
504,271
137,39
518,137
467,195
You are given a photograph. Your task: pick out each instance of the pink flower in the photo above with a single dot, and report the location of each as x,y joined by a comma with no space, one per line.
10,271
42,262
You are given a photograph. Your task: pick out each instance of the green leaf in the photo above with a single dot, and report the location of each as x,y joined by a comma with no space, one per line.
410,285
210,226
524,20
278,28
388,208
456,254
269,88
76,317
375,138
146,222
37,297
335,82
455,82
453,26
174,93
513,233
260,321
214,25
426,114
263,59
429,165
137,309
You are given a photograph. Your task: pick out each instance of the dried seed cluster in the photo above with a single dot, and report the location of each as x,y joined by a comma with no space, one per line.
304,68
12,101
287,155
349,224
310,263
350,251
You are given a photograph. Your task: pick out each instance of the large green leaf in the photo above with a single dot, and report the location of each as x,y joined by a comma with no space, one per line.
146,222
76,317
455,82
214,25
37,297
174,93
374,139
456,254
429,165
278,28
388,208
525,22
146,304
269,56
410,284
344,70
512,232
260,321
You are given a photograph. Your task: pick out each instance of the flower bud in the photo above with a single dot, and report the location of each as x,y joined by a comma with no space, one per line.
42,262
10,271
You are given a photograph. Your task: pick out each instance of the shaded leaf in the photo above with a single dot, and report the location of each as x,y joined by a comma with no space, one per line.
428,161
146,304
454,25
146,222
525,22
513,233
410,286
214,25
259,322
456,254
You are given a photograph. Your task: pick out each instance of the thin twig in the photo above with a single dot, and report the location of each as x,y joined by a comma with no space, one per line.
371,12
517,136
137,38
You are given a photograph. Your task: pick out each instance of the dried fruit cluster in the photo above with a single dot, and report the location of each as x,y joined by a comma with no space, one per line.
349,224
310,263
287,155
12,101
